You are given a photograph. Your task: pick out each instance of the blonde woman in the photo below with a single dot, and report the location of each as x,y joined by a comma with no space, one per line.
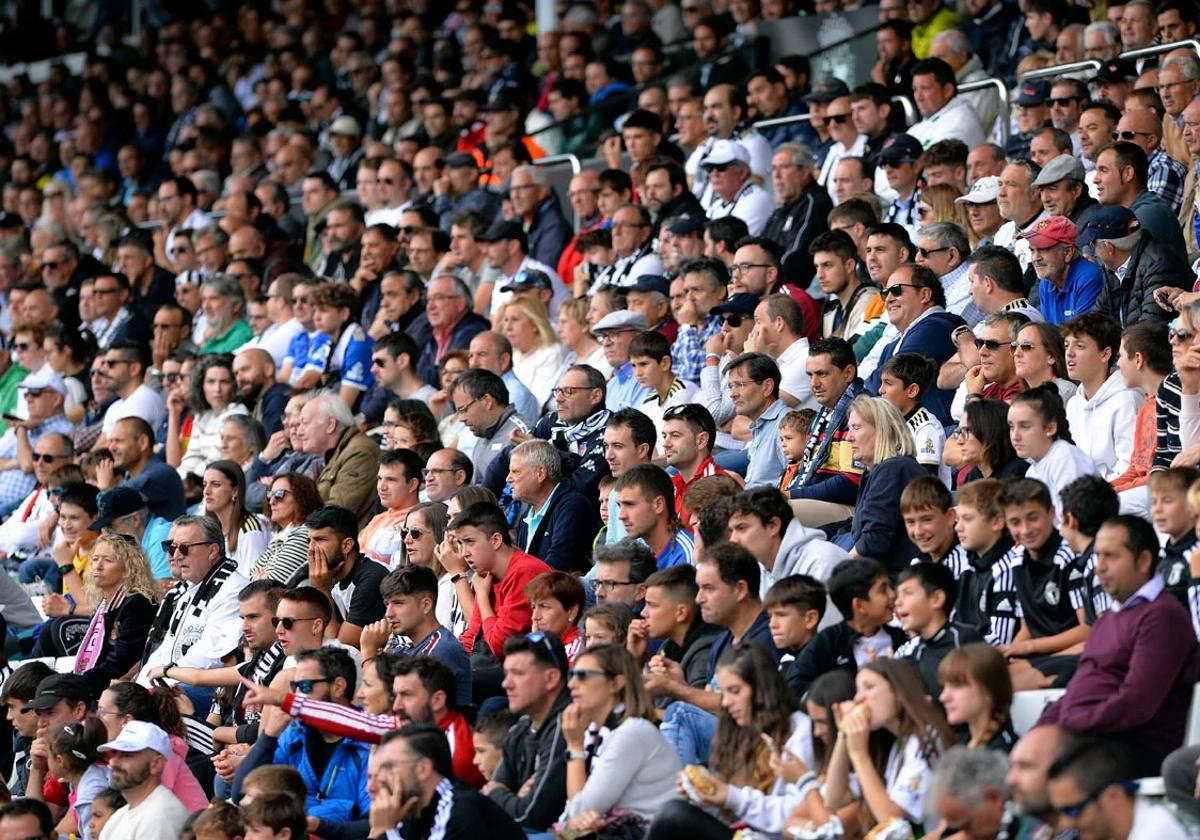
937,204
880,440
574,329
119,578
537,353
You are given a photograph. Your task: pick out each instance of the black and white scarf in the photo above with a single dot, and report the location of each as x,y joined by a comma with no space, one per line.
187,623
574,437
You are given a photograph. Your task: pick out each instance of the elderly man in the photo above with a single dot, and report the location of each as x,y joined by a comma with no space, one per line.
556,522
44,392
954,48
615,331
997,283
944,248
1178,85
224,305
537,210
969,791
1134,263
1069,284
491,351
731,192
327,429
945,115
1020,204
1121,177
1165,176
481,400
1063,189
446,472
1101,41
200,626
983,214
454,324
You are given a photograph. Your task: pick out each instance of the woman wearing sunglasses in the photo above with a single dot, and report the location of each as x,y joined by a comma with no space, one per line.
1039,356
617,759
290,500
423,531
246,535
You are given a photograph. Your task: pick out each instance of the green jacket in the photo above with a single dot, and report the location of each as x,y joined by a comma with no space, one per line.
235,336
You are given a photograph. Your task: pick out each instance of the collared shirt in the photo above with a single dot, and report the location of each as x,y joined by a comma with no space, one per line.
957,285
1148,591
707,467
752,205
534,518
234,336
624,391
687,353
1166,177
767,460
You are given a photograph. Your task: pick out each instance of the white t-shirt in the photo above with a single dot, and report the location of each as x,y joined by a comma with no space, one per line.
276,339
908,777
145,403
160,817
1154,822
1064,463
793,373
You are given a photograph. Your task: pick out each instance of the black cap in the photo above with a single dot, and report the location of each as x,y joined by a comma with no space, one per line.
1116,70
70,687
743,303
687,224
827,90
10,221
650,283
901,148
461,159
528,279
502,229
503,99
115,503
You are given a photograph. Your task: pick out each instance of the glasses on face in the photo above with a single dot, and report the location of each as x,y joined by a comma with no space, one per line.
1073,811
462,410
378,362
1063,101
744,268
170,548
53,266
582,674
171,378
568,390
1023,346
733,319
277,495
19,345
1159,88
46,458
415,533
542,640
991,344
926,253
837,119
897,289
611,336
1128,134
1179,336
609,585
962,432
288,623
306,686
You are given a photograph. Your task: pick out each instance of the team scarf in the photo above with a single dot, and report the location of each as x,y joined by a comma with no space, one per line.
93,639
574,436
816,451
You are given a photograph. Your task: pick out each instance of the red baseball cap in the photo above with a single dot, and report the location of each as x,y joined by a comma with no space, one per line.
1051,231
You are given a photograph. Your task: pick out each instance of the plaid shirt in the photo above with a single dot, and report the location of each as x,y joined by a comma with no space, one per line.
687,353
1166,178
15,485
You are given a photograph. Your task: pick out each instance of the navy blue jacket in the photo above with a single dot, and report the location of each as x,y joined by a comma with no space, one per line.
878,529
929,337
832,648
549,232
467,328
563,539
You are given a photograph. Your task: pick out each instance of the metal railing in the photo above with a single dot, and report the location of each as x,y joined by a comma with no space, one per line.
1059,69
910,110
576,167
984,84
1158,49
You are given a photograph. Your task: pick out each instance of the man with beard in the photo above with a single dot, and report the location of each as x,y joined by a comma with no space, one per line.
1029,769
254,373
338,569
666,194
377,257
414,773
137,760
340,242
133,465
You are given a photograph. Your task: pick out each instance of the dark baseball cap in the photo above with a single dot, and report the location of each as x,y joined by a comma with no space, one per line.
503,99
528,279
1117,70
1033,93
901,148
502,229
115,503
650,283
827,90
687,224
743,303
1108,222
70,687
10,221
461,160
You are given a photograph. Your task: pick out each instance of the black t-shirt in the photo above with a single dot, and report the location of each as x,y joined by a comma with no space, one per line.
1045,586
356,599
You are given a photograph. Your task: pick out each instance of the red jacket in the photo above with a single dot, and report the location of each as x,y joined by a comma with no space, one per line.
512,611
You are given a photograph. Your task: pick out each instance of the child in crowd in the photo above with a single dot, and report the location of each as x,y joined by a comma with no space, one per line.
607,624
75,761
862,592
671,615
106,803
904,381
1049,598
219,821
274,816
986,598
928,512
1173,519
650,356
1087,502
1040,433
272,779
795,606
603,489
925,595
708,521
488,736
793,438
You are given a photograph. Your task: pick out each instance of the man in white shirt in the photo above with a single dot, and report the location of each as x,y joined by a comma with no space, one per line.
125,364
732,191
1020,204
779,332
137,759
724,113
945,114
284,325
848,142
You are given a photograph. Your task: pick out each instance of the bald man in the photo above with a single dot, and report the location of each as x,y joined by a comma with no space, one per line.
254,377
1167,176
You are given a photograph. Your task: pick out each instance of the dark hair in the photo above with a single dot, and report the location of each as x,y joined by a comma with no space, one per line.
988,422
399,343
782,305
1132,155
827,691
764,503
277,811
926,492
651,344
478,383
269,589
949,152
495,726
304,492
652,482
912,369
1048,404
1092,765
426,741
982,664
1001,265
336,518
1091,500
311,596
636,553
679,582
853,579
856,211
713,518
641,426
486,517
922,277
738,752
759,367
434,674
548,651
697,418
1100,328
80,343
197,400
897,233
840,353
1021,491
837,242
31,807
82,496
406,458
933,577
804,592
942,72
1140,537
409,580
23,683
1150,339
158,708
727,231
333,662
734,565
232,471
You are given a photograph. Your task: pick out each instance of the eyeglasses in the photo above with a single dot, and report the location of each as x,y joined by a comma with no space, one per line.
568,390
53,266
170,548
610,336
991,344
20,345
288,623
277,495
462,410
837,118
897,289
46,458
733,319
1178,336
584,673
1023,346
378,362
543,641
744,268
415,533
172,377
1128,134
1159,88
718,167
962,432
608,585
926,253
1073,811
306,686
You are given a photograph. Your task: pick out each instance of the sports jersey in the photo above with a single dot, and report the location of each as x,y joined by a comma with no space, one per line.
930,438
1048,590
348,364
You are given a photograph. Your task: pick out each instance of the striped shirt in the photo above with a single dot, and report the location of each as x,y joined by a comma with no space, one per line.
1169,400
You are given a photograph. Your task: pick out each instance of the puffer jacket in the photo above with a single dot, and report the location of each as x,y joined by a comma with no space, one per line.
341,791
1150,267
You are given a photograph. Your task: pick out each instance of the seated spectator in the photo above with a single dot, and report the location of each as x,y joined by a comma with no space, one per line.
280,455
398,486
224,304
195,440
446,472
453,323
44,397
491,351
1040,433
1087,502
556,602
1121,178
970,785
905,380
1172,517
797,607
943,247
21,531
928,512
997,281
977,693
347,577
730,190
946,115
646,507
606,624
650,295
481,400
610,694
115,321
557,523
1145,365
704,283
326,429
246,535
1103,410
1039,357
847,298
241,439
995,377
137,760
779,331
650,356
925,596
984,443
74,759
537,352
616,332
621,570
291,499
688,437
1135,265
754,389
670,614
20,688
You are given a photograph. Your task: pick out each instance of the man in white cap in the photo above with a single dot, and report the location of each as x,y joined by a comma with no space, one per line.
137,758
982,211
44,392
731,191
345,142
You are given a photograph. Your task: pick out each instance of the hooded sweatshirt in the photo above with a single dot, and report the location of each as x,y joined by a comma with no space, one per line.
805,551
1103,426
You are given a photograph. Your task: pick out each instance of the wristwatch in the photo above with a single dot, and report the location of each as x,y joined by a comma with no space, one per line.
576,755
66,568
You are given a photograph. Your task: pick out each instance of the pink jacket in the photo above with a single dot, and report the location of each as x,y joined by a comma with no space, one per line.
178,777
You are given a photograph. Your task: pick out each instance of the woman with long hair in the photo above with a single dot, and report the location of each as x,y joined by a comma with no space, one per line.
424,529
75,760
122,702
290,500
537,353
758,724
617,760
1039,356
454,364
937,204
120,581
821,702
983,440
889,737
1038,429
246,535
195,441
977,693
374,693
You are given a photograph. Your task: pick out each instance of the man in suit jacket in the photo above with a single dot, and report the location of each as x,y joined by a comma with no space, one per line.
556,522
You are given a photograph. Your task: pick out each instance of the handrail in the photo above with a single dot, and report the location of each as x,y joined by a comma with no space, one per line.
983,84
576,168
910,110
1058,69
773,122
1158,49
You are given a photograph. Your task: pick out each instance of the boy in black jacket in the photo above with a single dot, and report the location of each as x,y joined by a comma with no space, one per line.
928,512
796,606
987,600
861,591
1171,515
924,597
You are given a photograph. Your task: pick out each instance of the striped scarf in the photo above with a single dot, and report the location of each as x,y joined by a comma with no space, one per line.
816,451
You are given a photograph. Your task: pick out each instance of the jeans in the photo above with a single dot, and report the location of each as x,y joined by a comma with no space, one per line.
689,729
733,460
39,568
1179,778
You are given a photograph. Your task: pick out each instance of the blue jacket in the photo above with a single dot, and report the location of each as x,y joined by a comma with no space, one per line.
341,792
878,529
549,232
929,337
563,538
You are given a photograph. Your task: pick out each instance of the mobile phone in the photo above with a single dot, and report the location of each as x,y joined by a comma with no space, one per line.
11,417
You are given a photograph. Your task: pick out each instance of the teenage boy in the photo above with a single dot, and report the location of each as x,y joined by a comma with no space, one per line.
1087,503
928,512
925,596
650,355
1050,601
629,440
862,592
795,607
987,600
1103,411
904,381
1171,517
646,505
671,615
339,357
410,596
1145,363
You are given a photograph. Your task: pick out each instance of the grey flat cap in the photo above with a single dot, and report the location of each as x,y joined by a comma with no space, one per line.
622,319
1061,168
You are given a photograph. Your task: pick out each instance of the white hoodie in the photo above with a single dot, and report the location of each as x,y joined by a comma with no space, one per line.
805,551
1103,426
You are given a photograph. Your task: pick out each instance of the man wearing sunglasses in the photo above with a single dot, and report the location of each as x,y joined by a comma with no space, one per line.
44,392
970,794
730,190
847,140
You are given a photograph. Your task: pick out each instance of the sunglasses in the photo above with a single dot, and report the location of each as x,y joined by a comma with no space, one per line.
1023,346
543,641
837,119
1073,811
897,289
718,167
306,686
926,253
53,266
172,377
1178,336
277,495
733,319
46,458
1063,101
990,343
169,548
415,533
288,624
1129,135
584,673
